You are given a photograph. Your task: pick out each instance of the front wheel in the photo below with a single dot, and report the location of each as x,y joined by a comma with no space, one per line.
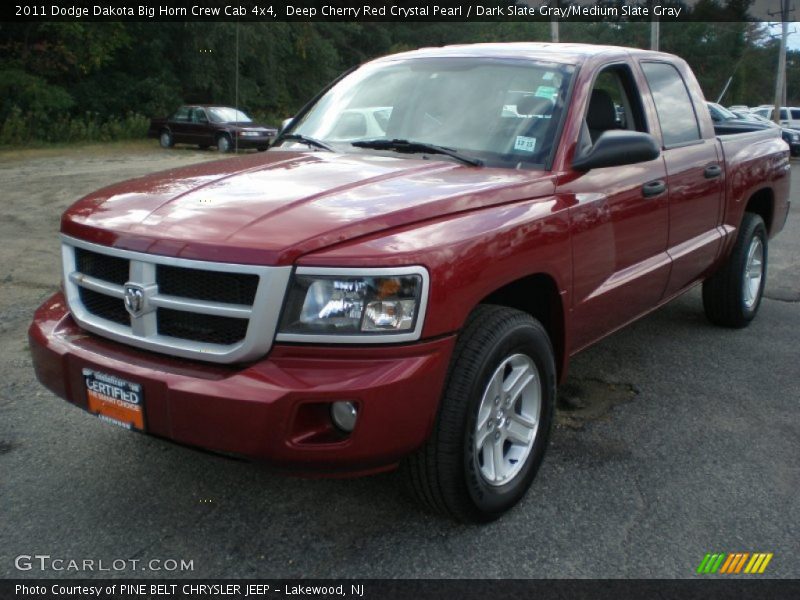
494,419
732,295
224,143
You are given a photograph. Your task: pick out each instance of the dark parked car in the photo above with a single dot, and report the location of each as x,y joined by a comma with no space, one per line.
790,136
728,121
221,126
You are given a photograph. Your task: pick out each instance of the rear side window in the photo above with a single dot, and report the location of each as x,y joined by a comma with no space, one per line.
784,114
182,114
796,114
673,104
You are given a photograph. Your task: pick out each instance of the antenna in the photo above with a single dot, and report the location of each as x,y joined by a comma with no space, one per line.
236,86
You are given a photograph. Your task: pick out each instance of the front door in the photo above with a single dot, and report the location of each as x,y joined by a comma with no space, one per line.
619,220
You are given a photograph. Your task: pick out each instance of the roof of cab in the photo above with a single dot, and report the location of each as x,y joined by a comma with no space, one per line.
553,52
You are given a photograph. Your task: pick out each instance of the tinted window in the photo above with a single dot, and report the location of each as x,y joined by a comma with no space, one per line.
618,83
795,113
673,104
784,114
199,116
182,114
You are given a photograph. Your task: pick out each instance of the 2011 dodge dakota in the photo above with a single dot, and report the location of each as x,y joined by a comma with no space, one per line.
402,278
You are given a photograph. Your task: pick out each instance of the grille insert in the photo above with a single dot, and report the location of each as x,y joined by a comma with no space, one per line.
211,329
105,307
108,268
211,286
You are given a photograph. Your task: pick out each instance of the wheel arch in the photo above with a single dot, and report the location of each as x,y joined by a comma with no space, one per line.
762,203
537,295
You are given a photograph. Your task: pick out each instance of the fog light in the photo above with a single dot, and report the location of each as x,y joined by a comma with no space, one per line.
344,415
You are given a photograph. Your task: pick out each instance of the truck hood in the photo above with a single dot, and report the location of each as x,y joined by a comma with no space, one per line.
271,208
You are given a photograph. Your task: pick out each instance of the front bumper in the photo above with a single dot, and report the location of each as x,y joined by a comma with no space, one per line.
249,142
276,409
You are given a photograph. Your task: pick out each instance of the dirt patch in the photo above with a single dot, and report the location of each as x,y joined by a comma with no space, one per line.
38,185
585,400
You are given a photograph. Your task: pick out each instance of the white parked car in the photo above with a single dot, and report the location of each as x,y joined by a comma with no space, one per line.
790,115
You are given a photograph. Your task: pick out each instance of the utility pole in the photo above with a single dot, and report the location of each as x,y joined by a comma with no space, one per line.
554,25
780,79
655,31
655,27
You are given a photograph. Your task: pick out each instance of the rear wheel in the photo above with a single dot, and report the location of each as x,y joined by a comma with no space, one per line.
165,139
494,420
732,295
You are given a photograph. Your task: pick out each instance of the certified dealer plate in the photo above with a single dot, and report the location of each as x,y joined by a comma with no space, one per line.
114,400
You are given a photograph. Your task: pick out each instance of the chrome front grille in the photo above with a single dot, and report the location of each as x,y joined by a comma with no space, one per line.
217,312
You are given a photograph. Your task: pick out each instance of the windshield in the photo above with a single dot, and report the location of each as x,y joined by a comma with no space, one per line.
759,118
222,114
504,112
720,113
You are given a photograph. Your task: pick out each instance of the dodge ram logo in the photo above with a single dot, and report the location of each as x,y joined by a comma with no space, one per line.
134,299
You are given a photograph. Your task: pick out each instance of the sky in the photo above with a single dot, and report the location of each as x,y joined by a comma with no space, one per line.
793,41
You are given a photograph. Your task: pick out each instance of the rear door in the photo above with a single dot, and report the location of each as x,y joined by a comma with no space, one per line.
179,124
695,176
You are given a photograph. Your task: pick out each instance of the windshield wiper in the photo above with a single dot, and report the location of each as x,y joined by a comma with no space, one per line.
304,139
411,146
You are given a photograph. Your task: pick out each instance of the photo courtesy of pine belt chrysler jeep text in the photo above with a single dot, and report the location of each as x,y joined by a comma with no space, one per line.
401,279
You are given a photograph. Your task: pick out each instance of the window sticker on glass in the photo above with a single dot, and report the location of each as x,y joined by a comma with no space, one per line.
525,144
548,76
546,91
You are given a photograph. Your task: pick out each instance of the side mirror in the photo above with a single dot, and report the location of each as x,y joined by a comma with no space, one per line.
615,148
285,123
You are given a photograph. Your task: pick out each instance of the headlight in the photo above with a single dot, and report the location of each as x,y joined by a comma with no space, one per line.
249,133
355,305
796,137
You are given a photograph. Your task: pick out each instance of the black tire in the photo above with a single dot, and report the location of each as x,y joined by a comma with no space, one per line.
224,143
726,300
445,474
262,148
165,139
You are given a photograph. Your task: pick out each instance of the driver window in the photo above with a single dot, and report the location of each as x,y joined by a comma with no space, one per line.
614,103
199,116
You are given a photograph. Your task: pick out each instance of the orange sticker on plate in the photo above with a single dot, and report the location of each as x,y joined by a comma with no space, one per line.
115,400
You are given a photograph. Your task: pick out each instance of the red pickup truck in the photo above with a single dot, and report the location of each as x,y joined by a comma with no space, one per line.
402,278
